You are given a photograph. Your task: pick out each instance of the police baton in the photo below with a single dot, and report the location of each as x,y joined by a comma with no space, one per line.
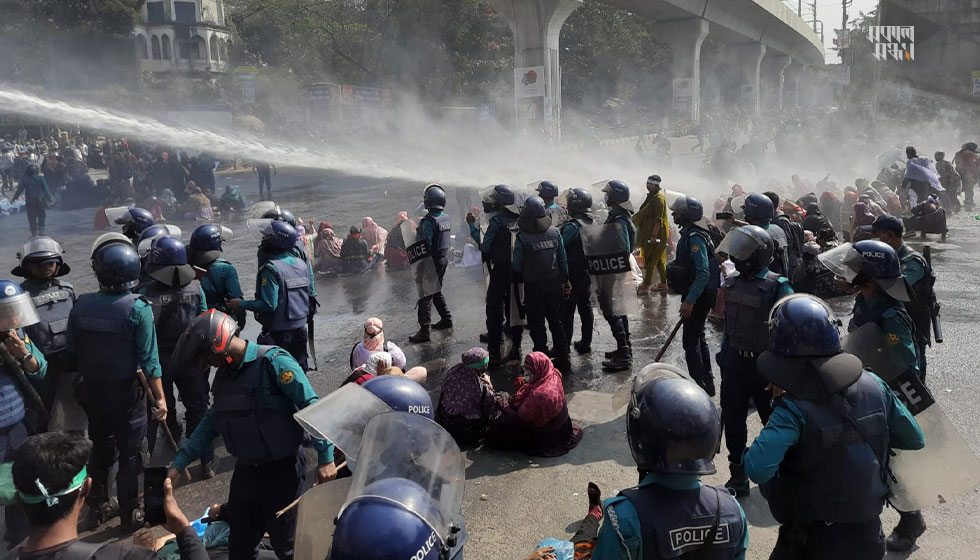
673,333
295,502
166,428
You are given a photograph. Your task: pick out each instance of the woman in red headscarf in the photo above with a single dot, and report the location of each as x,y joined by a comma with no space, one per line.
326,248
536,420
375,235
395,253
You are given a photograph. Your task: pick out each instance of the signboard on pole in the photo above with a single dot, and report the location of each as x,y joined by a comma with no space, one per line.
529,82
976,82
684,98
529,98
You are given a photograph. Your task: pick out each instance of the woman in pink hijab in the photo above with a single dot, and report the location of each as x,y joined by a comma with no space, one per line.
375,235
326,248
536,421
395,253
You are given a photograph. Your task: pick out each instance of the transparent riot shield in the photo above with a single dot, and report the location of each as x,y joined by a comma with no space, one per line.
316,516
108,239
738,206
868,343
341,416
259,209
423,265
118,215
652,371
226,233
844,261
608,257
412,450
258,227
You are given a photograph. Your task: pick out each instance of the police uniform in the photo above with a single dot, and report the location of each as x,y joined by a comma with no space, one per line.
540,260
173,310
921,278
558,213
747,306
282,303
53,301
794,243
496,249
695,274
13,430
780,259
253,411
638,516
578,276
842,483
435,228
890,315
117,326
620,325
221,284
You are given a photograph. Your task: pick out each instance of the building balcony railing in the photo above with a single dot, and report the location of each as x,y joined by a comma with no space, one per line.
184,65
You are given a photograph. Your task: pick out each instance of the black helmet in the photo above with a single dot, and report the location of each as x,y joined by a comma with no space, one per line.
434,198
41,249
749,247
672,425
579,200
210,331
117,267
759,208
547,189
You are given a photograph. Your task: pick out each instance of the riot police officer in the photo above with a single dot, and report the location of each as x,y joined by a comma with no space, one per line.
220,283
673,429
579,207
256,391
617,198
694,274
548,191
177,298
749,296
540,261
20,357
282,293
42,264
759,211
794,236
118,323
401,394
826,494
133,220
496,249
921,278
435,229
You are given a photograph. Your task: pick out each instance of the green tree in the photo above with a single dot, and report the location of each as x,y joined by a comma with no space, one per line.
90,16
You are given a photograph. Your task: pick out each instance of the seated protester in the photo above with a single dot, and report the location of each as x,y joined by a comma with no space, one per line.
374,341
862,217
872,206
232,200
168,200
536,420
197,206
396,255
380,363
468,403
374,235
355,252
326,248
52,483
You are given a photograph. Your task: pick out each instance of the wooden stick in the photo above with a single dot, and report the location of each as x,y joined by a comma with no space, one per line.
296,501
673,333
166,428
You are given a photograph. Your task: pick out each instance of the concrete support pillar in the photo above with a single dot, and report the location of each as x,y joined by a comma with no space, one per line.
536,26
684,39
791,90
773,77
750,55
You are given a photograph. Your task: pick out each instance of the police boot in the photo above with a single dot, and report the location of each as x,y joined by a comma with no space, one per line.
613,353
910,527
100,511
582,347
738,484
207,470
562,364
484,337
621,360
443,324
421,336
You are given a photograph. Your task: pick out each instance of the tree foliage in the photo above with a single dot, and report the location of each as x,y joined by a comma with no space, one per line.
91,16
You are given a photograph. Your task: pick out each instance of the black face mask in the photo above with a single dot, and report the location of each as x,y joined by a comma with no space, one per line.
745,268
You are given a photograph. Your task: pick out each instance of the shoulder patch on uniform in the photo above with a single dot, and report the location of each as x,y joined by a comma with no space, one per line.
27,339
892,338
695,247
265,280
286,377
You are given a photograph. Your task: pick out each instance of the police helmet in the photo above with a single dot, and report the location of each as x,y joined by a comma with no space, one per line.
687,208
16,307
749,247
279,235
534,208
205,244
211,331
280,214
673,427
41,249
804,356
133,220
167,262
377,526
503,195
109,238
547,189
401,394
434,198
578,201
617,192
759,208
117,267
880,263
153,232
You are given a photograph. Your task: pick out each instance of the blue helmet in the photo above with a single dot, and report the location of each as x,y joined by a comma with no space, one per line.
375,526
759,208
617,192
804,356
401,394
503,195
280,235
579,200
281,214
534,208
687,208
205,244
434,198
749,247
673,427
117,267
16,307
167,251
156,230
547,189
879,262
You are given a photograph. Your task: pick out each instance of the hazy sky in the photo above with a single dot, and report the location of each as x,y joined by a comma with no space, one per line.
830,13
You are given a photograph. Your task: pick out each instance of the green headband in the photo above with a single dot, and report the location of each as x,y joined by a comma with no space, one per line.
481,364
52,499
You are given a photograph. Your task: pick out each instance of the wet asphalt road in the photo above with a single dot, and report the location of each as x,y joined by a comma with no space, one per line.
513,501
